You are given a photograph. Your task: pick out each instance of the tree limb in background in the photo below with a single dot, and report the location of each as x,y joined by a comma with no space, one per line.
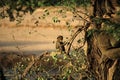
103,7
75,35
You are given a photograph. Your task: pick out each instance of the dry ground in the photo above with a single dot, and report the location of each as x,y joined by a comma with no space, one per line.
29,40
27,37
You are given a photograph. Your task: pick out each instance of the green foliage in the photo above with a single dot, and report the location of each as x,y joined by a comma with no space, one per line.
91,32
55,19
45,14
113,29
109,26
56,66
10,6
118,13
65,2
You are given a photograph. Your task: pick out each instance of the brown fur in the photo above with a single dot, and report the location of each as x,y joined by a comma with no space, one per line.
60,44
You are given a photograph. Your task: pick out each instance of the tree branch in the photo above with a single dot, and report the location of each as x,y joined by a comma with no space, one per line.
74,36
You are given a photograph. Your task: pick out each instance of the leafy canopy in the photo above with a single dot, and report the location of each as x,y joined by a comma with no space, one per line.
9,6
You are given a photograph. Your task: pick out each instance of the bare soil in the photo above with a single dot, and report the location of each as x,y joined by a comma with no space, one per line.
28,40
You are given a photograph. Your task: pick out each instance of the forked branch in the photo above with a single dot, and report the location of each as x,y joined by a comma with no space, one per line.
75,35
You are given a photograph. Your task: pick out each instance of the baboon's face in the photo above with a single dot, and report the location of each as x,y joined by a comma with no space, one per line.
60,38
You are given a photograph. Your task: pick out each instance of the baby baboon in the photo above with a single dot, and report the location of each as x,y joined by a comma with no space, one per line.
60,44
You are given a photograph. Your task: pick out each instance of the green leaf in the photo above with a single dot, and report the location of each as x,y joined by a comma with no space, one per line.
90,33
55,19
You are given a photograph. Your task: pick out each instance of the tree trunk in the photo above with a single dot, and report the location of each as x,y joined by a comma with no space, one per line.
93,56
106,69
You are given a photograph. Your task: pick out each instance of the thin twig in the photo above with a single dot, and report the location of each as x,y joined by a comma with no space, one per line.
28,67
79,16
17,45
34,59
75,35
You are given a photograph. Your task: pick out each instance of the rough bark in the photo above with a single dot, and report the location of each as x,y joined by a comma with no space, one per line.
102,7
102,68
93,56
